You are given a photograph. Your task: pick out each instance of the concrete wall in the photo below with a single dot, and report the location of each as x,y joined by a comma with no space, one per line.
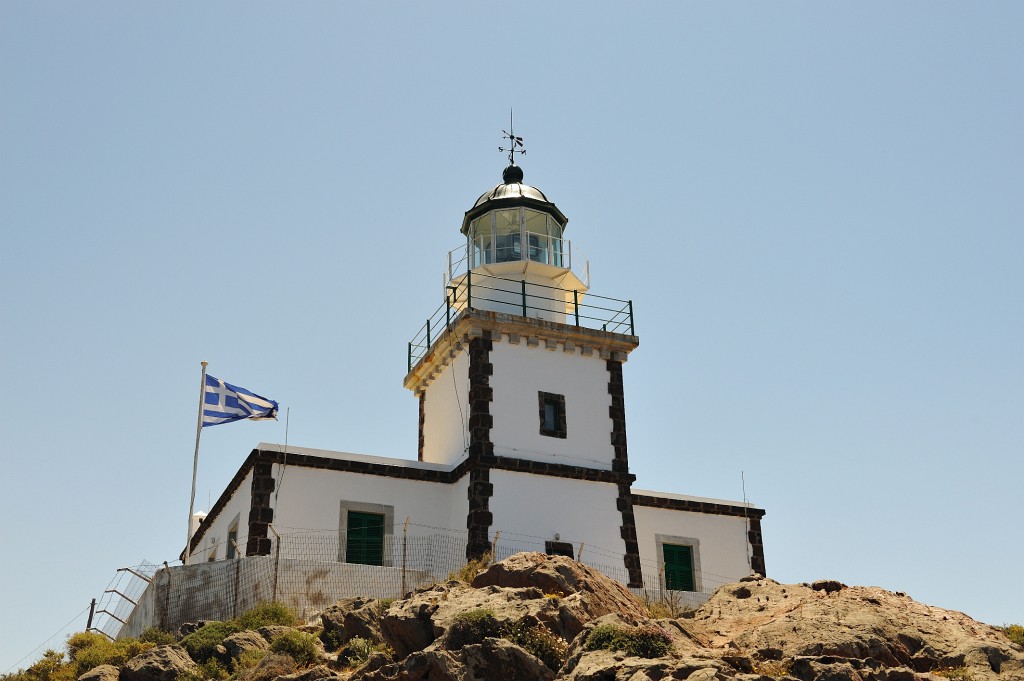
446,409
226,589
721,553
520,372
214,541
529,509
311,499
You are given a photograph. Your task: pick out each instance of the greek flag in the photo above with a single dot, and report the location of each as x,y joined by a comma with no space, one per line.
224,403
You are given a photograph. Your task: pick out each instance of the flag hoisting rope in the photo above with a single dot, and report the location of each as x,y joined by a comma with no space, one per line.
221,402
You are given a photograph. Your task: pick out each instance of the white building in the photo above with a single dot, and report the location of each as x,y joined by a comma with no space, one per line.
522,430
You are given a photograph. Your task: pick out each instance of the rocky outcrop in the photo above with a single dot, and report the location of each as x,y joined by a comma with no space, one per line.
492,660
829,630
163,663
350,618
104,672
236,644
756,629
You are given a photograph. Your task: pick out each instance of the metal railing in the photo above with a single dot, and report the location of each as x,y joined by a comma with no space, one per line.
521,297
540,248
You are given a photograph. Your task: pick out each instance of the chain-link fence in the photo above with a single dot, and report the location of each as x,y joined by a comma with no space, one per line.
307,570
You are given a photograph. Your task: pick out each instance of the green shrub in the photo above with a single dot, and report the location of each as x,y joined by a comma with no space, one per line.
299,646
382,604
89,650
82,640
1015,633
646,641
157,636
201,644
267,614
358,650
248,660
539,641
470,627
211,670
51,667
954,673
333,639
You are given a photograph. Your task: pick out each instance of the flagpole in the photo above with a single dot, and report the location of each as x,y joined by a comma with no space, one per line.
195,466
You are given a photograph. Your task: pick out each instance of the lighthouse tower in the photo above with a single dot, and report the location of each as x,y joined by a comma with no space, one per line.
519,379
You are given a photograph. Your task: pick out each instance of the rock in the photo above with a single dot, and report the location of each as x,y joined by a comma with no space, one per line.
555,591
236,644
848,632
104,672
270,632
604,665
432,665
498,660
493,660
312,674
352,617
828,585
163,663
600,595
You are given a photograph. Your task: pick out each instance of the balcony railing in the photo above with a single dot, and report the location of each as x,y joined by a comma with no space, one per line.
520,297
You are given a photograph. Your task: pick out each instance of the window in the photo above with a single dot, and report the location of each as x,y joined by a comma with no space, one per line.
678,567
559,548
365,533
552,414
365,538
232,540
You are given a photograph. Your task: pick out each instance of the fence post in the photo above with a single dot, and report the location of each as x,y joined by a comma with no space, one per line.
409,358
167,597
469,289
494,546
447,311
277,557
523,282
428,334
405,538
92,611
576,305
580,552
238,577
632,331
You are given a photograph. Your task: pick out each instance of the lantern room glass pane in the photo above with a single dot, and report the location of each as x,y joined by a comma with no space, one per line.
537,235
507,236
482,237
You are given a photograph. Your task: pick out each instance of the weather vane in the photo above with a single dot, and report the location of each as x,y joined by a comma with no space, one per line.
514,142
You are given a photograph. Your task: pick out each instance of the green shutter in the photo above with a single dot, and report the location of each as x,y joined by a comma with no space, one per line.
678,567
365,538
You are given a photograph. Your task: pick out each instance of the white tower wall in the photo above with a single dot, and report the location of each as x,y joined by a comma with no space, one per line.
446,410
520,371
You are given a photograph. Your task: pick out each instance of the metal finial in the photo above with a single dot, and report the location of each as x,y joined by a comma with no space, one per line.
514,141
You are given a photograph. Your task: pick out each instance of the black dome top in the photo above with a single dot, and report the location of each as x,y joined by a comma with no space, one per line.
510,193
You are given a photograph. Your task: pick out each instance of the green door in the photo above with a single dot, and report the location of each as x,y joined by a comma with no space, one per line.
365,544
678,567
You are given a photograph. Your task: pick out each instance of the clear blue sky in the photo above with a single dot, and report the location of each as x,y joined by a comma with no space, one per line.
816,208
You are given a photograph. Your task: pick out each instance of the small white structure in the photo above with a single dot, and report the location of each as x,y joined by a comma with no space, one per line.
522,430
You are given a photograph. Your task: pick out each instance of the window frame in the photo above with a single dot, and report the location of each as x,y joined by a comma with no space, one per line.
558,401
376,509
661,540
